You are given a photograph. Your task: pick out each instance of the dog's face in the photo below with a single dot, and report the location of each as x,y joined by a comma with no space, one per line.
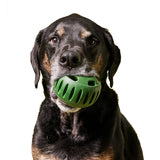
73,45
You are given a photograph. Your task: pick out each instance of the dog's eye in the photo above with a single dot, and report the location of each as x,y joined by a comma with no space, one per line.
91,41
54,40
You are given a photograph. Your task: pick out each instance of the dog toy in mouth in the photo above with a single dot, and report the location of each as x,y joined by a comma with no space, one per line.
78,91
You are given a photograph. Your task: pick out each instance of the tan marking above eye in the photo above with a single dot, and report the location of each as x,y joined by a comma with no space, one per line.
85,34
61,31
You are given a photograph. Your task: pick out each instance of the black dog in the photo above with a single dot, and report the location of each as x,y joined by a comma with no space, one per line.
75,45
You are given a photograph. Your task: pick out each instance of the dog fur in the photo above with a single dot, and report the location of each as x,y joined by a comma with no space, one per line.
75,45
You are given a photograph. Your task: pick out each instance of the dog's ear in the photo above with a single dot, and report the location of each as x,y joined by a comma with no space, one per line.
34,57
115,56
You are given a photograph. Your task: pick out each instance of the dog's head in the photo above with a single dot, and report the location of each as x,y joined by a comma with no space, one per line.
73,45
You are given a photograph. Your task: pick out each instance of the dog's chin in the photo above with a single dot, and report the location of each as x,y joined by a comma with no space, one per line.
65,108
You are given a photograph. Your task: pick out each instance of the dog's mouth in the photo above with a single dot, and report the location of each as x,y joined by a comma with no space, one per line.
71,93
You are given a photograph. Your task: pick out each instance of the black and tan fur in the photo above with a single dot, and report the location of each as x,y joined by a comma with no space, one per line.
75,45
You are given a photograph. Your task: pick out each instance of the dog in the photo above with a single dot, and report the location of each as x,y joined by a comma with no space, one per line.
77,46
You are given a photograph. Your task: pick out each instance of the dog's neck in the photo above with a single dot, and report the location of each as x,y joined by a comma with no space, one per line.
69,123
72,125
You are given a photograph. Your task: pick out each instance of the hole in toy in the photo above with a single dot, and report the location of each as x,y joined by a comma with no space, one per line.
74,78
55,84
79,95
60,86
65,89
71,94
92,98
85,100
91,83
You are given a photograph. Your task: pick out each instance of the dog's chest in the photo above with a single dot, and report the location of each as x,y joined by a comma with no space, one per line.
106,157
72,154
74,143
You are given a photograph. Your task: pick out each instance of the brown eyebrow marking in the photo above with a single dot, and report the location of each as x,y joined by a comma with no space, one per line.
85,34
61,31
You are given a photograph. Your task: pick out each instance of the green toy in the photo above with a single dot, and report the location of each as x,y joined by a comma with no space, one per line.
78,91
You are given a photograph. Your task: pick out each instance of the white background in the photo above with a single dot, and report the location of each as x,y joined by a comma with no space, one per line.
135,26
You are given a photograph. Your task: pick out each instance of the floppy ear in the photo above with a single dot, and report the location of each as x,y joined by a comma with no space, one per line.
115,56
34,57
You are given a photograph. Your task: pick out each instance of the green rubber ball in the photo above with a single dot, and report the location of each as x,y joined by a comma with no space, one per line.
78,91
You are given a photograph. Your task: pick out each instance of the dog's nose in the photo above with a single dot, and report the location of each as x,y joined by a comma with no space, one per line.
70,59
